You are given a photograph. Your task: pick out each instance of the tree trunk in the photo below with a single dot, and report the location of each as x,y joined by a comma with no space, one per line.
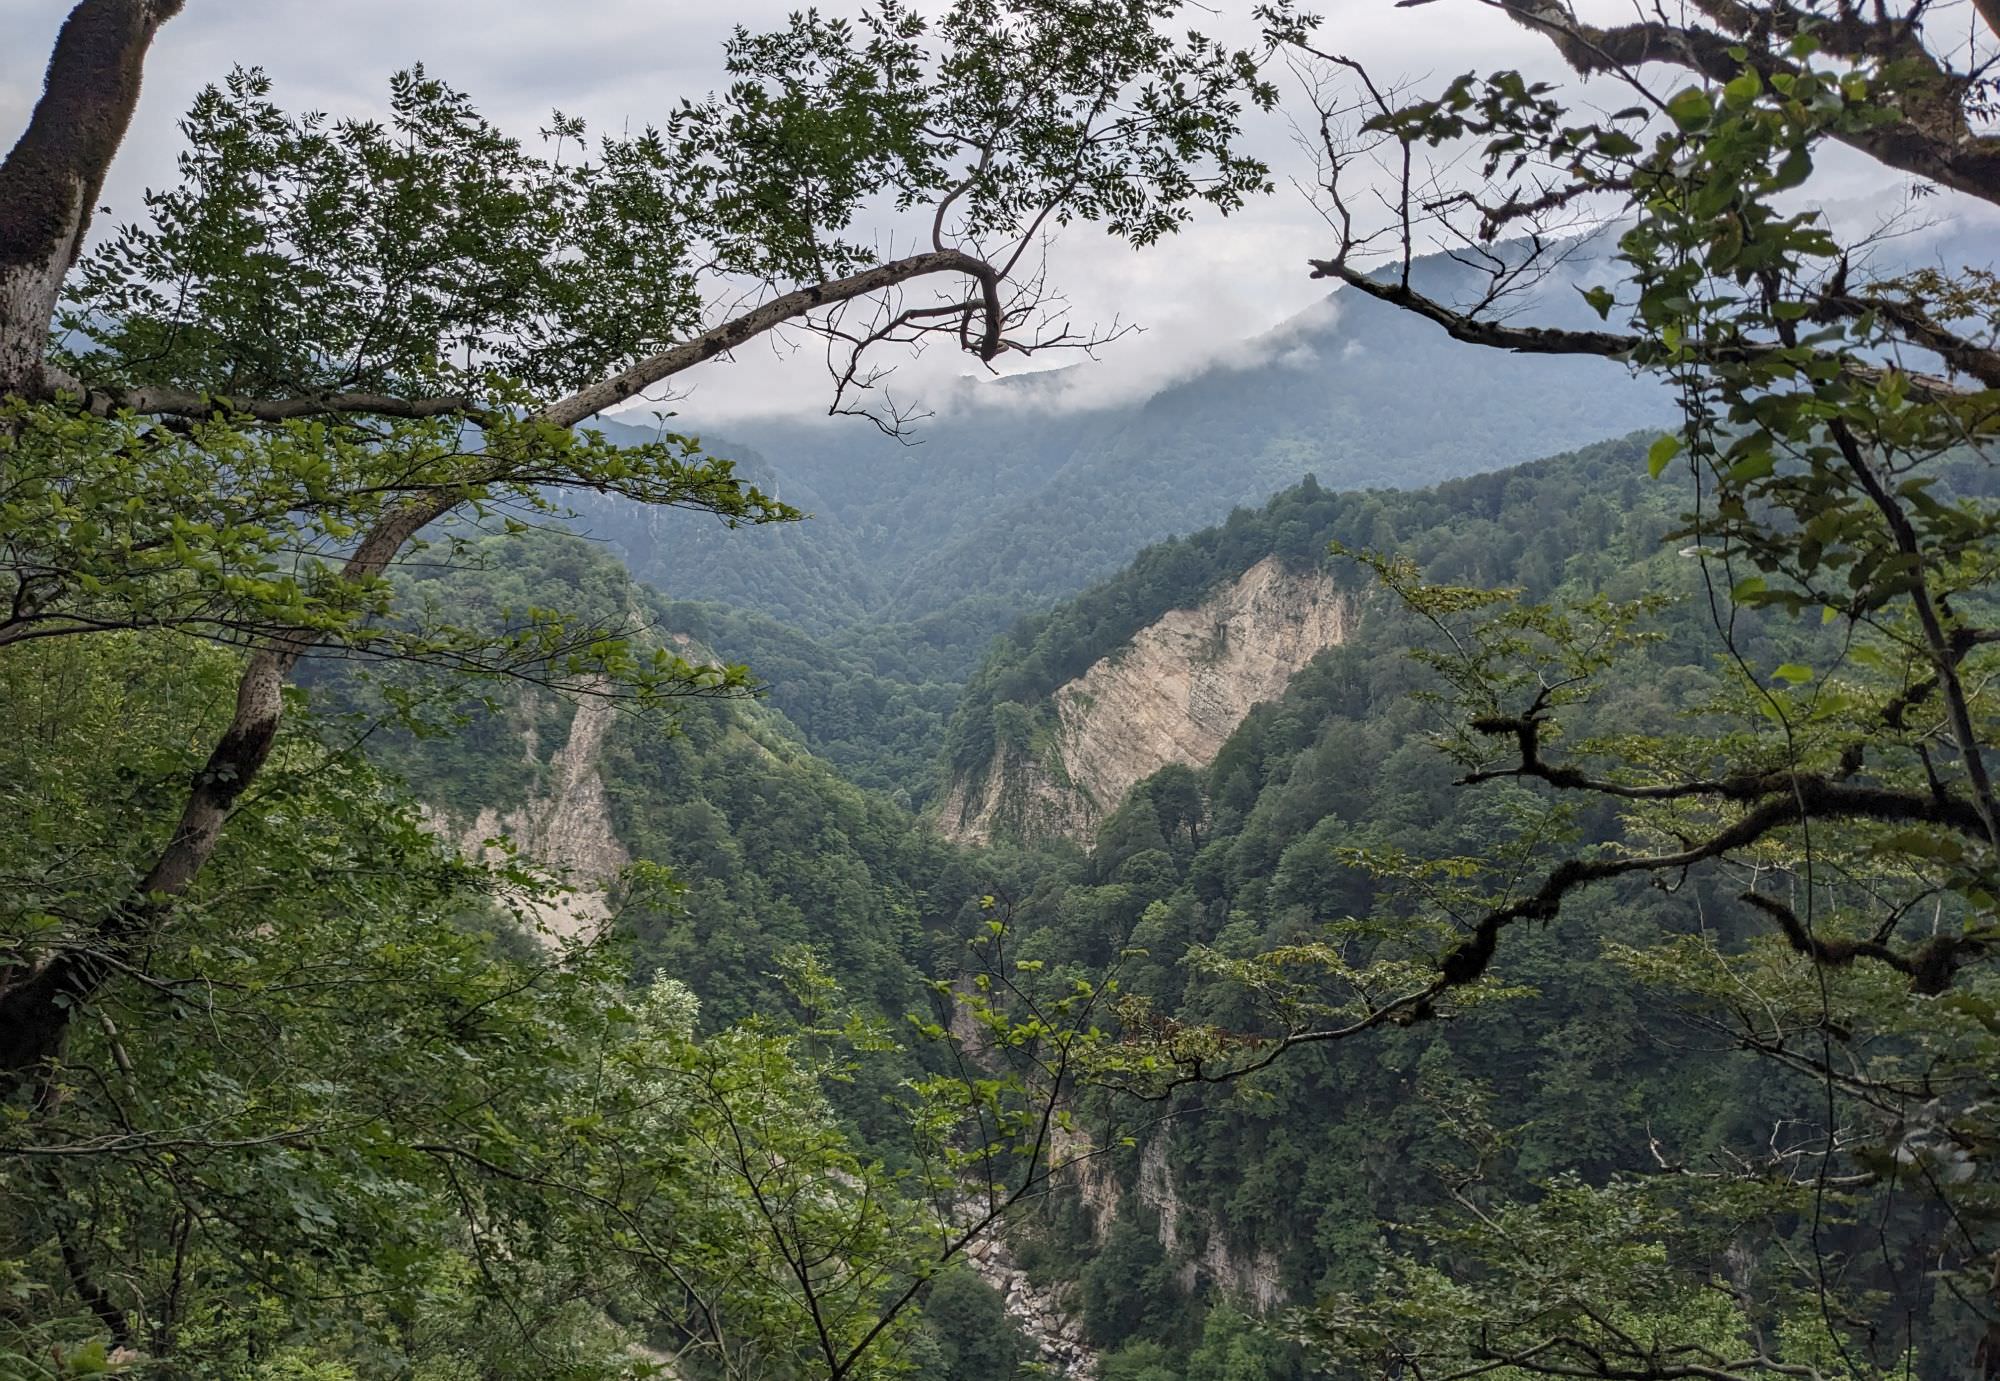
50,183
49,187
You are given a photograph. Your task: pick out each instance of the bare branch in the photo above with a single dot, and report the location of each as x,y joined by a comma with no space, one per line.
1474,329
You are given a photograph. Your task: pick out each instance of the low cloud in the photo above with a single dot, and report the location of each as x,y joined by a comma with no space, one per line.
1243,313
1222,294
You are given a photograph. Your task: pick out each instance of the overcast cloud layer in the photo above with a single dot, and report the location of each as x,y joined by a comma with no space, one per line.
626,62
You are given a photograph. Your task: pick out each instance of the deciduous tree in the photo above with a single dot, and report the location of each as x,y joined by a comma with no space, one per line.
229,419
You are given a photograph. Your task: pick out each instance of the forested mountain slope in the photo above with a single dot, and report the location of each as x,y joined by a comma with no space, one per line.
1231,1205
1529,525
712,844
1019,496
1170,695
874,709
772,846
865,618
1227,1203
772,849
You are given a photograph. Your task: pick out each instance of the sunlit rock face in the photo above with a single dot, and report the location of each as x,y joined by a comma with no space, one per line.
564,828
1171,695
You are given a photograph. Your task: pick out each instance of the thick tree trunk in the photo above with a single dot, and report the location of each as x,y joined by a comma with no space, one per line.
49,187
50,183
36,1003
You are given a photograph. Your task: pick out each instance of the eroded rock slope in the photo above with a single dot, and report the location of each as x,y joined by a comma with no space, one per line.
1171,695
565,828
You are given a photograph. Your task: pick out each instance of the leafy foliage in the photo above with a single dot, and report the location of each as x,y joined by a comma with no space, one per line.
283,1092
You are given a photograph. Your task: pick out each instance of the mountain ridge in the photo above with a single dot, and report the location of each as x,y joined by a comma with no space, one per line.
1005,507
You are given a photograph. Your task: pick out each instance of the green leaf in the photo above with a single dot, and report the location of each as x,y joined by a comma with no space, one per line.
1793,673
90,1360
1795,169
1661,455
1742,89
1755,466
1690,109
1918,843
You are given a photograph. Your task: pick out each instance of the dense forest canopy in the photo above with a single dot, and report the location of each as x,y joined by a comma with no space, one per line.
427,949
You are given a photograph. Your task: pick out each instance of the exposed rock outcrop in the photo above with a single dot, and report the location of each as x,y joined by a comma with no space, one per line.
1173,694
1044,1315
564,828
1249,1278
1205,1257
1078,1161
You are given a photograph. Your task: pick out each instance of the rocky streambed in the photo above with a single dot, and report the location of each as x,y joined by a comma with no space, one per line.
1044,1314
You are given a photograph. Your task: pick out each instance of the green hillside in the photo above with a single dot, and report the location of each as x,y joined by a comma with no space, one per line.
1303,1179
1296,1182
935,543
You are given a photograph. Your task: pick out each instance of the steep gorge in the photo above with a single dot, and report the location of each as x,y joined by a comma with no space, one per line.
1240,1210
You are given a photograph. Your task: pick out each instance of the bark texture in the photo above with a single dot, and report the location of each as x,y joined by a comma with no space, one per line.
51,180
1932,137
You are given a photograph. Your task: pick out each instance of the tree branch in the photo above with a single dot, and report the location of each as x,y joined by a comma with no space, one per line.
1931,140
1930,967
37,1003
166,402
587,402
1474,329
1840,796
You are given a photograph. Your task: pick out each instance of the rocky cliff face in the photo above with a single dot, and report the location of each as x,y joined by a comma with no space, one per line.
1171,695
565,828
1205,1255
1199,1247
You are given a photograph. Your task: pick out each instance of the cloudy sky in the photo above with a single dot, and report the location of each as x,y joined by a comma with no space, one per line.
620,62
